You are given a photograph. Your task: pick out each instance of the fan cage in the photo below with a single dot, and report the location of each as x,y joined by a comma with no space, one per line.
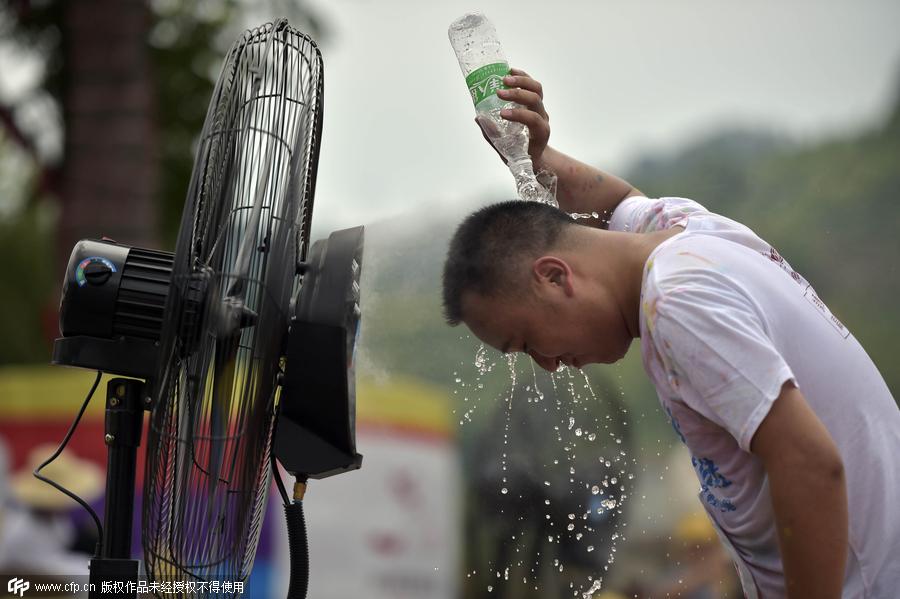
245,226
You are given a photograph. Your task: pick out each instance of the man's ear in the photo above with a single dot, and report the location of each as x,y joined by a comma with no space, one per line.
553,272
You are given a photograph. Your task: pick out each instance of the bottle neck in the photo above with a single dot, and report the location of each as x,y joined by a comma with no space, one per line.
521,164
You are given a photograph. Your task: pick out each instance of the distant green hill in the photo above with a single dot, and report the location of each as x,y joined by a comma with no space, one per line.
831,208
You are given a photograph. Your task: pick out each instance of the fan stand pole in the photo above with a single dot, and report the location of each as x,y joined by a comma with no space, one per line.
113,571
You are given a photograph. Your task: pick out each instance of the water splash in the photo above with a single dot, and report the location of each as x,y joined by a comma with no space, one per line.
578,215
577,431
588,594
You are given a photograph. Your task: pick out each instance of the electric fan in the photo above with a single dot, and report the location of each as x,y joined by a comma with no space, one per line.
242,332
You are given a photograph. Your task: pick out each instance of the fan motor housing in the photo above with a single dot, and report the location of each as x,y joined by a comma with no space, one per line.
316,434
112,307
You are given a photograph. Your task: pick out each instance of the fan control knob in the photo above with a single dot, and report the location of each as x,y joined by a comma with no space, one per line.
97,272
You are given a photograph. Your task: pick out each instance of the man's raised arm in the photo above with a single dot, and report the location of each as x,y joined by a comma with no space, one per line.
585,189
580,188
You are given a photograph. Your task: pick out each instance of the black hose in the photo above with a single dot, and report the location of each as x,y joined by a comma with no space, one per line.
299,550
37,471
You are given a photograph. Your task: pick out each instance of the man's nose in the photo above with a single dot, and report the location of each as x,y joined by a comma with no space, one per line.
548,364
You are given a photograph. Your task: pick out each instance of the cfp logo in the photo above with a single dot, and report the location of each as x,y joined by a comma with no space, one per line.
18,586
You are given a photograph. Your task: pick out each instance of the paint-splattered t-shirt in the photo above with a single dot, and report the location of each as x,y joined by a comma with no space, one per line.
725,322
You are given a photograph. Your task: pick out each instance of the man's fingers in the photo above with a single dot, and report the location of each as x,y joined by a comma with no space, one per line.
536,125
520,79
526,98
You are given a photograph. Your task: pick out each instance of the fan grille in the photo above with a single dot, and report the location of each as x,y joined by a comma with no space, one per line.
246,223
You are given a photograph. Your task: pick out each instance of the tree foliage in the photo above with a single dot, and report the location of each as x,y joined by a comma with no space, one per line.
188,42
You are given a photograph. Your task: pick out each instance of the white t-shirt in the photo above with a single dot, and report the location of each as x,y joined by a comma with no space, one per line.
725,322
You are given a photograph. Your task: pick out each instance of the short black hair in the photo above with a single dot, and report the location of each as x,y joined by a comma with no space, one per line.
480,255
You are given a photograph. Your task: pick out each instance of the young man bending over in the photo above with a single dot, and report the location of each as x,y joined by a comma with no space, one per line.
793,432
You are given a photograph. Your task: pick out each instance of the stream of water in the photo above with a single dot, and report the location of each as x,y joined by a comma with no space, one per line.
588,472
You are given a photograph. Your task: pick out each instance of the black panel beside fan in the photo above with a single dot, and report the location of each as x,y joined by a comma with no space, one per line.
244,337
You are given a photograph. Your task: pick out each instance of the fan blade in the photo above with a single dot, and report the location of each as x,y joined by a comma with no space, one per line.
251,234
246,221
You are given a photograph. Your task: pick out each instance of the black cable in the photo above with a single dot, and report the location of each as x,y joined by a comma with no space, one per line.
59,450
277,475
278,482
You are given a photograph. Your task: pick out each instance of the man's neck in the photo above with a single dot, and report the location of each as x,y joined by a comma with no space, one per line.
635,250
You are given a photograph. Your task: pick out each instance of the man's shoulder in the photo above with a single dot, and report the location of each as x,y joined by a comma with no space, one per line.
698,259
685,253
640,214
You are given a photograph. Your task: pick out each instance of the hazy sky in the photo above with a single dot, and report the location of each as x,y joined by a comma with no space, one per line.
619,78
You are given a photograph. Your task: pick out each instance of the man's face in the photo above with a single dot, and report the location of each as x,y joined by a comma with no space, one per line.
552,326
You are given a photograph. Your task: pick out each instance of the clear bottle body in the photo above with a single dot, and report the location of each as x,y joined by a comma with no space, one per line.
483,63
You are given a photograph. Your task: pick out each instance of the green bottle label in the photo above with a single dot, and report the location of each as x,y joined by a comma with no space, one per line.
484,81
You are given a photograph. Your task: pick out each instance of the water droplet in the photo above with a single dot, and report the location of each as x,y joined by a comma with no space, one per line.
570,527
504,490
589,594
590,548
595,489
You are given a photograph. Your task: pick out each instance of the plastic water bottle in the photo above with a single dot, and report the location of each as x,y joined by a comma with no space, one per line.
484,65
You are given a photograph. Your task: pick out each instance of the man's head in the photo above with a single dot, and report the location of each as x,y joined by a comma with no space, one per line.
524,276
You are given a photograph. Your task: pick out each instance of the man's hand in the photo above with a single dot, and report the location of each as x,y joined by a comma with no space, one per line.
809,496
529,95
580,187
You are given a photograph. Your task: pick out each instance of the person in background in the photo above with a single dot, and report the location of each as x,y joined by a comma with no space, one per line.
793,433
704,570
37,533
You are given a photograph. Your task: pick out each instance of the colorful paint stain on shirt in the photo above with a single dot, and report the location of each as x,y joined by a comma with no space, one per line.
698,257
648,307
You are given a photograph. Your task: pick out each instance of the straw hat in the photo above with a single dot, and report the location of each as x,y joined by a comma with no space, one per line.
81,477
695,528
